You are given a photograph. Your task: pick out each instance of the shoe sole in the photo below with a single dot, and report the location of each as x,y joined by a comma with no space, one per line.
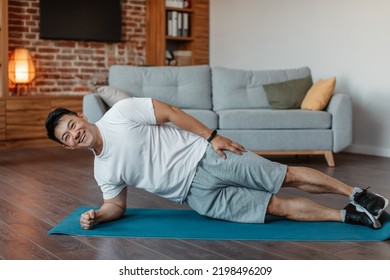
380,211
375,222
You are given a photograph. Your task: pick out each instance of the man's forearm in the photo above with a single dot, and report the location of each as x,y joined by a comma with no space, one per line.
108,212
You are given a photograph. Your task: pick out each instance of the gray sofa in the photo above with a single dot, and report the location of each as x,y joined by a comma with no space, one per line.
234,102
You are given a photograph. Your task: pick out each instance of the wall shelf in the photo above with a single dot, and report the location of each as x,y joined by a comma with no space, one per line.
162,36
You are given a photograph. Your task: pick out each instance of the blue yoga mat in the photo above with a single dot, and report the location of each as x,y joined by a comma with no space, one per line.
187,224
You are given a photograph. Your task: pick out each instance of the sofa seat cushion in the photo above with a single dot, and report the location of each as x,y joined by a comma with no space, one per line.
274,119
282,139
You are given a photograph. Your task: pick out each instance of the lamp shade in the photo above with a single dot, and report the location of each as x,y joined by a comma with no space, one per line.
21,68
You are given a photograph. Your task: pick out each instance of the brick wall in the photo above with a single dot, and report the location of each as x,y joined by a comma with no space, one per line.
75,67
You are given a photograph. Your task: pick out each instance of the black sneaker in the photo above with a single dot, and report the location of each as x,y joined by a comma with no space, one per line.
358,216
372,202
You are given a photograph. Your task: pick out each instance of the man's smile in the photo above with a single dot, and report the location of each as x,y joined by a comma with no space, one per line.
82,137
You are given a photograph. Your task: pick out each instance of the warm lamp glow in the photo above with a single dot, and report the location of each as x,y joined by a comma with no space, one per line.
21,68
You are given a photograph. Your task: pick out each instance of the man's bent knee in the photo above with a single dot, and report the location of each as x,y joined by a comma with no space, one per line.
293,176
290,176
275,206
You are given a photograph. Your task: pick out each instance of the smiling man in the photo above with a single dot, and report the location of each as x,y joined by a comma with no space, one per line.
195,165
73,131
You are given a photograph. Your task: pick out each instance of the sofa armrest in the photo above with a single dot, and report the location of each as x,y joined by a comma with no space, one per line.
340,106
94,107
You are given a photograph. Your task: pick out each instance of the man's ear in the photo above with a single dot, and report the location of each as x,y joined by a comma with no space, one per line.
82,116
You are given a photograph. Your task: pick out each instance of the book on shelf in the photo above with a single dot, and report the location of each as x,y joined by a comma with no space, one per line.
177,3
169,23
174,23
178,24
186,25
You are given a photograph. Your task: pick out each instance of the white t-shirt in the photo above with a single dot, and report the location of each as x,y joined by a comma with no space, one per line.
138,152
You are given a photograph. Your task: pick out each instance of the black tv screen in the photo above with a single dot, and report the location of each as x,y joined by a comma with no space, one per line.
84,20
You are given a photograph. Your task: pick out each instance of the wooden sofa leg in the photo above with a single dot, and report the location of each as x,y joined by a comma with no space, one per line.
329,158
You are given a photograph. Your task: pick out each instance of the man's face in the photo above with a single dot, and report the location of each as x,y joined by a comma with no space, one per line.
75,132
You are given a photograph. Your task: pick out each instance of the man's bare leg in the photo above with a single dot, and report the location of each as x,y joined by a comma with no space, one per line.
302,209
313,181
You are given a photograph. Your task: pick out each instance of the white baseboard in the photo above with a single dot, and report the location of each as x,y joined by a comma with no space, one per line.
368,150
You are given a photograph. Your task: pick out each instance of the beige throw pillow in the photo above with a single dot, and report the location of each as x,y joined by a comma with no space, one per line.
318,96
111,95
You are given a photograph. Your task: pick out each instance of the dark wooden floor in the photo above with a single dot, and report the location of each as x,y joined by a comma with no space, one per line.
41,186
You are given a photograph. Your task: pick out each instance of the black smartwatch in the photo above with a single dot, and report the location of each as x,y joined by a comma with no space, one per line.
211,137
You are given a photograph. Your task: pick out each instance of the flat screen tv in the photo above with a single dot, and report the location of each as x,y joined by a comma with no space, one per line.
81,20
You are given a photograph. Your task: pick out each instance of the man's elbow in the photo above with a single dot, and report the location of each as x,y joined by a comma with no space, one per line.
122,213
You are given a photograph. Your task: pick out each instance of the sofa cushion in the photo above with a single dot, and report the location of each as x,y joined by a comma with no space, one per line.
185,87
111,95
207,117
288,94
241,89
273,119
319,95
282,139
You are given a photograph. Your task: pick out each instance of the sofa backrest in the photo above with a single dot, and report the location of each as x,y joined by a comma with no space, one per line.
240,89
187,87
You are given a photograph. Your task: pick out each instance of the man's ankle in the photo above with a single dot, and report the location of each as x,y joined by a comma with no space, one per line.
354,191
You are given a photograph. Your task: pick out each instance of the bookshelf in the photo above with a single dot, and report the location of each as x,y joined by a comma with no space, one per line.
177,30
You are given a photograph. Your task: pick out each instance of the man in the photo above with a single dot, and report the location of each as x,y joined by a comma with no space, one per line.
214,175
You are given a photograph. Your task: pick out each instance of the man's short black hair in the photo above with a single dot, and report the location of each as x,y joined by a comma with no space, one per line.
53,119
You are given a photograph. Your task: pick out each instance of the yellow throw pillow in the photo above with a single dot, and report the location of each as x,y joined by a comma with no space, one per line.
319,94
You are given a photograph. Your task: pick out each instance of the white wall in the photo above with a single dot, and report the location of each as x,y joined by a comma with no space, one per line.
349,39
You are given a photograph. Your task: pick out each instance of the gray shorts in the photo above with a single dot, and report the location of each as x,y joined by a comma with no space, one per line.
237,188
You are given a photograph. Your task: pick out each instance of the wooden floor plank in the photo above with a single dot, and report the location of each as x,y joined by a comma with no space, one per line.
292,250
47,193
235,250
47,211
179,249
14,246
364,253
36,230
121,248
